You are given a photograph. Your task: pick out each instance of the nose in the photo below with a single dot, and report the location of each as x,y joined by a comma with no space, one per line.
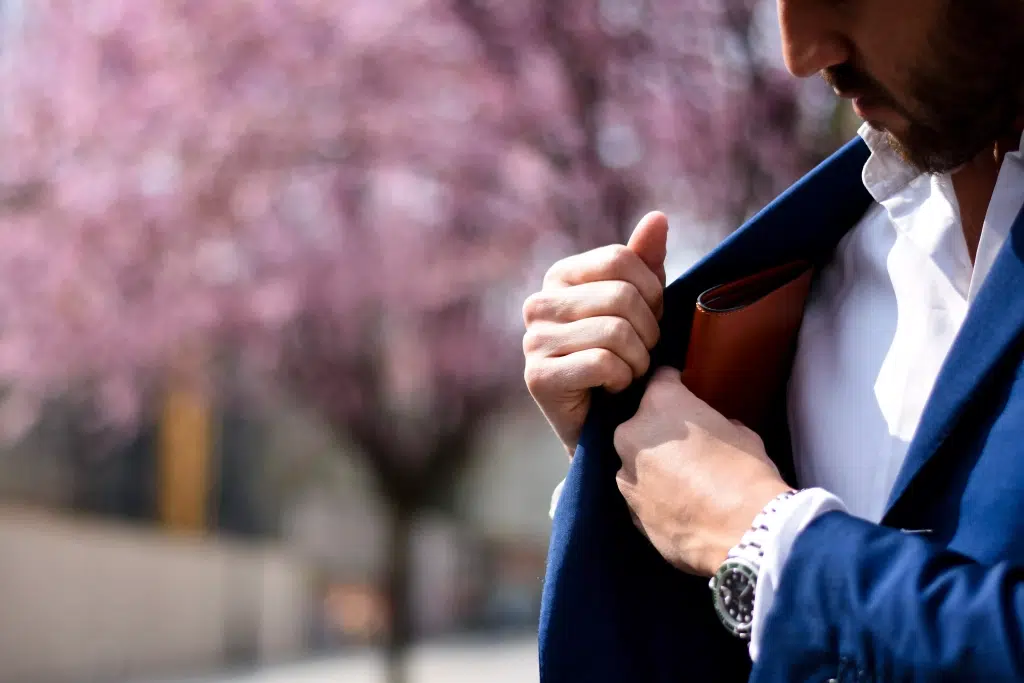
811,36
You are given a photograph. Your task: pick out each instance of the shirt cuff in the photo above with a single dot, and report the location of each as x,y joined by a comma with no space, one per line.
555,495
792,516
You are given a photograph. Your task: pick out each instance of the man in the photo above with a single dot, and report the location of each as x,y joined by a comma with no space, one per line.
900,557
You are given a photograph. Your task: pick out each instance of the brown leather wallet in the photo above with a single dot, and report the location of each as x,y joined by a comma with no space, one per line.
742,341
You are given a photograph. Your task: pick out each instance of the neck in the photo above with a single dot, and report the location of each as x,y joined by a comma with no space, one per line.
974,183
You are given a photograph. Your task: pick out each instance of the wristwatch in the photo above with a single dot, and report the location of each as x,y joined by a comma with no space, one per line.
734,585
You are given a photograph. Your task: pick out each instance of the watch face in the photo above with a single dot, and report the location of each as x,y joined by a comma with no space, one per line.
734,594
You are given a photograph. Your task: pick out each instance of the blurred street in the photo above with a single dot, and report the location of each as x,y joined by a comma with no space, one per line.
510,661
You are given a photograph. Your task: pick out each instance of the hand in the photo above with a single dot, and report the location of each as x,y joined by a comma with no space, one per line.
593,324
693,480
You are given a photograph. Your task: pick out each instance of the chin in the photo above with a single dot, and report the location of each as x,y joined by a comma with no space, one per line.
889,123
894,138
897,133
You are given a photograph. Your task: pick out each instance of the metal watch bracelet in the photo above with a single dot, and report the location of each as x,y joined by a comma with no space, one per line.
734,585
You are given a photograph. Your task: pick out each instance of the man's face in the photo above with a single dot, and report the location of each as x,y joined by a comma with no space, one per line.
939,77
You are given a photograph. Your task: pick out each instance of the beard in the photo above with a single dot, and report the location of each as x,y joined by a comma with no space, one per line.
963,95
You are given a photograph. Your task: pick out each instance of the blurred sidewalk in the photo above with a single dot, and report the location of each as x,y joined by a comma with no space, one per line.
508,661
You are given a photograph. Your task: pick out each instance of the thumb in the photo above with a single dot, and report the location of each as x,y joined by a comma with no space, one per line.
649,241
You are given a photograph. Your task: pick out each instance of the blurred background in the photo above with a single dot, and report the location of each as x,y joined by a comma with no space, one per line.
261,271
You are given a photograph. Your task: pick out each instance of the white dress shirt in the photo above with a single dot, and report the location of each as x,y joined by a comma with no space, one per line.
879,324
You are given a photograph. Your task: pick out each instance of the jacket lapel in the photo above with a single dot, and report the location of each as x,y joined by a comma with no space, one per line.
805,222
993,325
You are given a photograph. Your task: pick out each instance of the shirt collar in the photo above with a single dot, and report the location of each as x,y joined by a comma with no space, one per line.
885,173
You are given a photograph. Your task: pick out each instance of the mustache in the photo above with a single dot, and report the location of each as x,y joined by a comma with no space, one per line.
847,78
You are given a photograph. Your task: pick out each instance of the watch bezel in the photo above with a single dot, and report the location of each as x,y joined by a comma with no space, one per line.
733,565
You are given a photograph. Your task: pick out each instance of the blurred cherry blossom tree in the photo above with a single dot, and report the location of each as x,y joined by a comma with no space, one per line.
341,195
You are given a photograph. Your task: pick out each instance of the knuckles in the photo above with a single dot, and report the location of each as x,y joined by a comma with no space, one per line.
536,307
624,296
534,340
537,377
596,264
619,332
605,362
645,365
616,373
618,256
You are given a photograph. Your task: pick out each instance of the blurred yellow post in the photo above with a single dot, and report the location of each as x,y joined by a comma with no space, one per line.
185,444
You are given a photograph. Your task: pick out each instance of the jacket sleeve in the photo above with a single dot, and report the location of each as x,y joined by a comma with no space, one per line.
861,602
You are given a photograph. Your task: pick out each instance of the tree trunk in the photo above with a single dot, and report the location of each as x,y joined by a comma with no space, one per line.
399,573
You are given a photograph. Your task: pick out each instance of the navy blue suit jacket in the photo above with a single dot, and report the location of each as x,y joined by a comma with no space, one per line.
857,601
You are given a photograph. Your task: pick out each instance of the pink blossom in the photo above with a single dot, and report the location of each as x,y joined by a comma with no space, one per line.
279,178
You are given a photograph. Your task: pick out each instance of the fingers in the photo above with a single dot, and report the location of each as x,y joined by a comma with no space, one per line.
594,299
666,374
666,391
603,332
614,262
666,385
593,324
595,367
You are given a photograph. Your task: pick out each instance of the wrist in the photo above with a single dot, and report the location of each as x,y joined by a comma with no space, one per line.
741,521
